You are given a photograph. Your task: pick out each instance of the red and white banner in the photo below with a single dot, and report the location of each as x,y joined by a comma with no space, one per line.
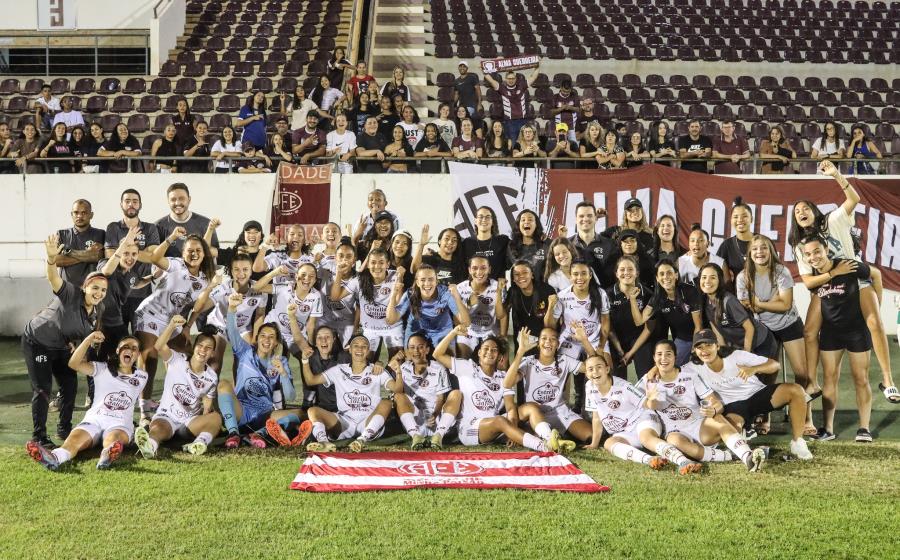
401,470
302,196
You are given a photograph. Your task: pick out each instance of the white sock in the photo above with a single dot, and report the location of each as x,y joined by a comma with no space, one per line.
409,423
319,432
154,445
61,455
204,437
671,453
372,428
543,429
739,445
534,442
628,453
445,422
713,455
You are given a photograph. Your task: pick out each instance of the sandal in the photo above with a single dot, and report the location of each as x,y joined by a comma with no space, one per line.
890,393
810,431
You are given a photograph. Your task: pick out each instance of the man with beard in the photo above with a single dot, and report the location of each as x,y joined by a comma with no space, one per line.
82,245
180,216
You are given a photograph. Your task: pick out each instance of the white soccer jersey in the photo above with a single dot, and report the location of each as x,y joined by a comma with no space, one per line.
308,306
423,390
572,309
184,390
278,258
357,395
727,383
545,385
688,271
482,394
114,396
482,313
245,311
338,315
372,314
619,409
328,264
177,289
680,398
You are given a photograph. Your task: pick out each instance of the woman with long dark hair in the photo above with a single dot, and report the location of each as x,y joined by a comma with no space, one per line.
483,296
433,308
676,307
488,242
630,335
733,251
252,118
528,241
665,239
447,261
58,147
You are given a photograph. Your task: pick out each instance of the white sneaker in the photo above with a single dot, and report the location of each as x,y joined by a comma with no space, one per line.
800,449
757,458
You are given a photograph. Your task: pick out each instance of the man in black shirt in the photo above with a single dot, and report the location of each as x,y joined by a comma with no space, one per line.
370,144
466,89
561,147
82,244
595,249
180,215
694,145
585,116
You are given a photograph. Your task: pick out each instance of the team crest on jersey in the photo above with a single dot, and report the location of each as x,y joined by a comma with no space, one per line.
183,394
179,299
133,381
491,385
197,382
252,302
384,290
196,285
614,404
483,401
679,390
117,401
484,300
242,320
422,381
677,412
283,319
365,380
152,325
545,393
357,400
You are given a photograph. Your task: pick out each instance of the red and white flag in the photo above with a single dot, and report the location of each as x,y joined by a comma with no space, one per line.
400,470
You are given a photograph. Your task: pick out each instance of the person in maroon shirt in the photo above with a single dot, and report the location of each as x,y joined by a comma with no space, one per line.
361,81
565,108
730,148
514,95
309,142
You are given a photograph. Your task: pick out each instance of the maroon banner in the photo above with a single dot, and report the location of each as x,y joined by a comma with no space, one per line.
302,196
492,65
707,199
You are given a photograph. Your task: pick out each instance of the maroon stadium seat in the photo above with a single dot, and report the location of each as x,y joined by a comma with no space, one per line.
262,84
219,69
138,123
236,86
218,121
135,86
84,86
109,85
210,86
169,69
149,104
9,86
123,104
185,86
160,86
202,104
32,86
160,122
110,122
17,104
229,104
96,104
59,86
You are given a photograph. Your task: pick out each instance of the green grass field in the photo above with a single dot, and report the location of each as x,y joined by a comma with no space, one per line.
237,505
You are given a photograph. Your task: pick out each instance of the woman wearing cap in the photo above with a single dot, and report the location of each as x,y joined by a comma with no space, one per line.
447,261
488,242
733,375
698,255
433,307
635,219
734,249
676,307
49,336
630,335
629,246
376,202
379,237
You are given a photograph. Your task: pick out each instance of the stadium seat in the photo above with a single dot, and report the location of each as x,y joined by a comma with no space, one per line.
110,122
185,86
160,123
135,86
96,104
229,104
218,121
149,104
109,86
84,86
123,104
59,86
9,86
138,123
160,86
210,86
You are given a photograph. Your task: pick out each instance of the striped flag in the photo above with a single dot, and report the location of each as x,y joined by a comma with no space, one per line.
401,470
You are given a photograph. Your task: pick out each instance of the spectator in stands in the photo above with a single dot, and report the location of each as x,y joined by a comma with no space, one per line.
497,145
78,141
45,107
92,144
121,144
398,148
463,113
58,147
861,148
327,99
467,89
829,145
399,104
282,128
253,161
515,97
298,106
26,149
660,142
621,130
730,148
165,146
432,146
561,146
359,112
226,146
68,116
591,140
585,116
694,145
198,147
611,155
527,146
777,151
309,141
370,144
565,108
341,143
184,122
361,81
278,150
253,118
337,66
388,118
6,148
635,150
412,129
396,85
467,146
446,127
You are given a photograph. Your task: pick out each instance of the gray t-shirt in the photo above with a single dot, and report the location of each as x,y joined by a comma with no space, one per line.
74,240
149,237
65,320
117,291
764,291
731,323
196,224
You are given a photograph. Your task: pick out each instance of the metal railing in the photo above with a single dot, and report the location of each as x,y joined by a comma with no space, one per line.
89,54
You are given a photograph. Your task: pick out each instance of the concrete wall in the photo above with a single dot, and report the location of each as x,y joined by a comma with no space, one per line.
164,32
89,14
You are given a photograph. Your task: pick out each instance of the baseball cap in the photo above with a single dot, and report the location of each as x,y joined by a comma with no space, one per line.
462,63
562,127
703,337
383,215
402,232
632,202
626,233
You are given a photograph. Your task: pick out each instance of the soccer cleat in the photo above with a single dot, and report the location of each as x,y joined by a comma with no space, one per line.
749,433
321,447
233,441
658,463
303,433
437,441
553,442
47,443
756,459
142,439
110,455
42,455
690,467
418,442
863,436
357,446
800,450
194,448
276,432
255,440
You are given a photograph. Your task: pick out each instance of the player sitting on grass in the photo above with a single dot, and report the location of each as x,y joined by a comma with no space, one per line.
117,387
361,410
425,386
618,408
186,406
251,403
688,409
480,398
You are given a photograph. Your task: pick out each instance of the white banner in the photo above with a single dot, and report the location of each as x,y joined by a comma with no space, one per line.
54,15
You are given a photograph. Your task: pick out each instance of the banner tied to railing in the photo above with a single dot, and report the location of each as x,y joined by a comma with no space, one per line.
302,196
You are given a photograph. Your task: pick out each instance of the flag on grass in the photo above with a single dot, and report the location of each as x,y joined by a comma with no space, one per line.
400,470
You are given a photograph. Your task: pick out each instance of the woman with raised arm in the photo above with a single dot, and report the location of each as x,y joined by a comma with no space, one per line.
447,261
433,308
297,251
425,387
302,294
483,298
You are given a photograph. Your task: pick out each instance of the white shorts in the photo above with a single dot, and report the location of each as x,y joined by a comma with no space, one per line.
97,428
181,429
421,417
560,417
467,431
353,426
632,435
151,323
472,340
391,338
689,429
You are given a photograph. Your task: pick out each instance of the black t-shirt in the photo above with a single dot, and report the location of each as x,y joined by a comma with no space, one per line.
366,141
597,254
573,147
184,128
535,254
115,144
117,292
326,397
148,237
620,318
386,124
73,240
254,162
734,252
196,224
529,311
731,324
677,314
448,272
356,118
494,249
431,165
64,321
686,143
582,121
840,300
60,150
465,87
188,166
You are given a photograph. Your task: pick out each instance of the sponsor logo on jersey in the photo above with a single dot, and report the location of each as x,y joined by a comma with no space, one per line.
545,393
241,320
183,394
375,310
614,424
440,468
483,401
677,412
358,401
256,387
117,401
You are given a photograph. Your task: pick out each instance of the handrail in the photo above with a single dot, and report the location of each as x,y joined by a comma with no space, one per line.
155,14
356,31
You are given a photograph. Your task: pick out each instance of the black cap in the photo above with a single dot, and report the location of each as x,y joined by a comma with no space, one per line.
632,202
626,233
704,336
383,215
252,224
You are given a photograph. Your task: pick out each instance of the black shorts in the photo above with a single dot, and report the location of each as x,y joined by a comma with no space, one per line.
852,340
792,332
768,347
759,403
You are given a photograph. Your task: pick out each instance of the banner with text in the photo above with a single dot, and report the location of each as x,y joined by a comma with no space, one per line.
492,65
506,190
302,196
